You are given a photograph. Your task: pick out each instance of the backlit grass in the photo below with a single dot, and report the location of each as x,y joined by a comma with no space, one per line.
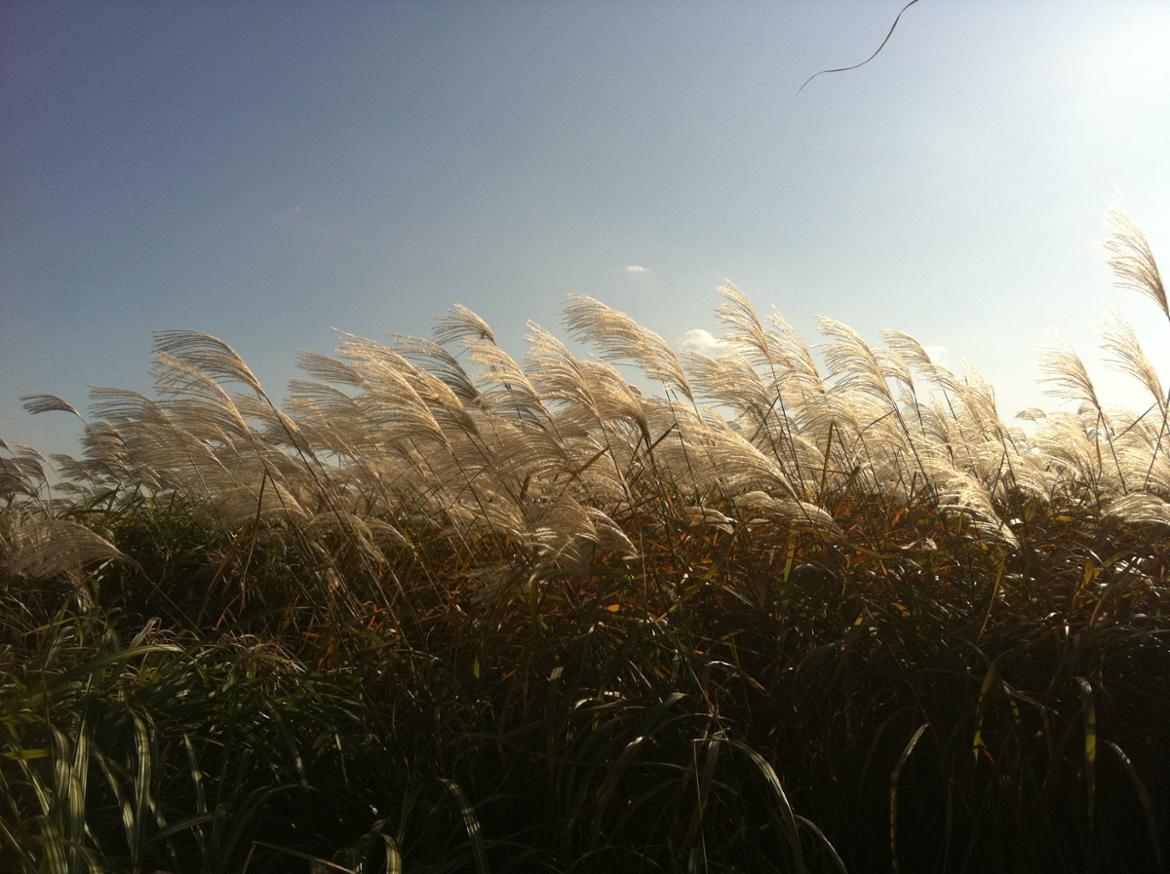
442,611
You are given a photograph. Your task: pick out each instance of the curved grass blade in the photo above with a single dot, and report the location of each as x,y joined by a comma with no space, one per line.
807,824
786,815
1143,795
913,742
471,822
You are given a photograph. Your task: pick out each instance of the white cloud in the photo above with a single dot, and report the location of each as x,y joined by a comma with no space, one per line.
936,352
636,268
703,341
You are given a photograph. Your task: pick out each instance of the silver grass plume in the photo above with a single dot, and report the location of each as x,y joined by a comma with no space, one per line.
1137,442
619,338
35,404
963,494
16,478
1134,267
760,506
851,361
1132,259
1066,373
1129,357
729,463
909,350
460,324
504,386
590,387
731,380
41,547
392,377
745,330
121,406
797,357
328,369
208,354
195,401
896,368
1141,509
1066,445
435,359
236,502
767,349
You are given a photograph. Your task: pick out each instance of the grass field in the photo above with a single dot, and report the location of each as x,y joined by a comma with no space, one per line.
447,611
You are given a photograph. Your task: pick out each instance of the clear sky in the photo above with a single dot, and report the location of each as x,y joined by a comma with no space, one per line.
265,171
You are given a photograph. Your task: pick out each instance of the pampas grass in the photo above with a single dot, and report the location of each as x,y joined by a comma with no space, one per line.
778,613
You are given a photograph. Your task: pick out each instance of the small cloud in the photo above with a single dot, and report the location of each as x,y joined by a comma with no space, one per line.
704,342
936,352
298,211
636,268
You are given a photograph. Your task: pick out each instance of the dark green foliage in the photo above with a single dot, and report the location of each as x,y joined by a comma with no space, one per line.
714,715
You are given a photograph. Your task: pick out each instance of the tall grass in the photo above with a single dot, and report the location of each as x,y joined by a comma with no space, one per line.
444,610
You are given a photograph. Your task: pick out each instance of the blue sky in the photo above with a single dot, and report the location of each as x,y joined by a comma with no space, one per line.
263,172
